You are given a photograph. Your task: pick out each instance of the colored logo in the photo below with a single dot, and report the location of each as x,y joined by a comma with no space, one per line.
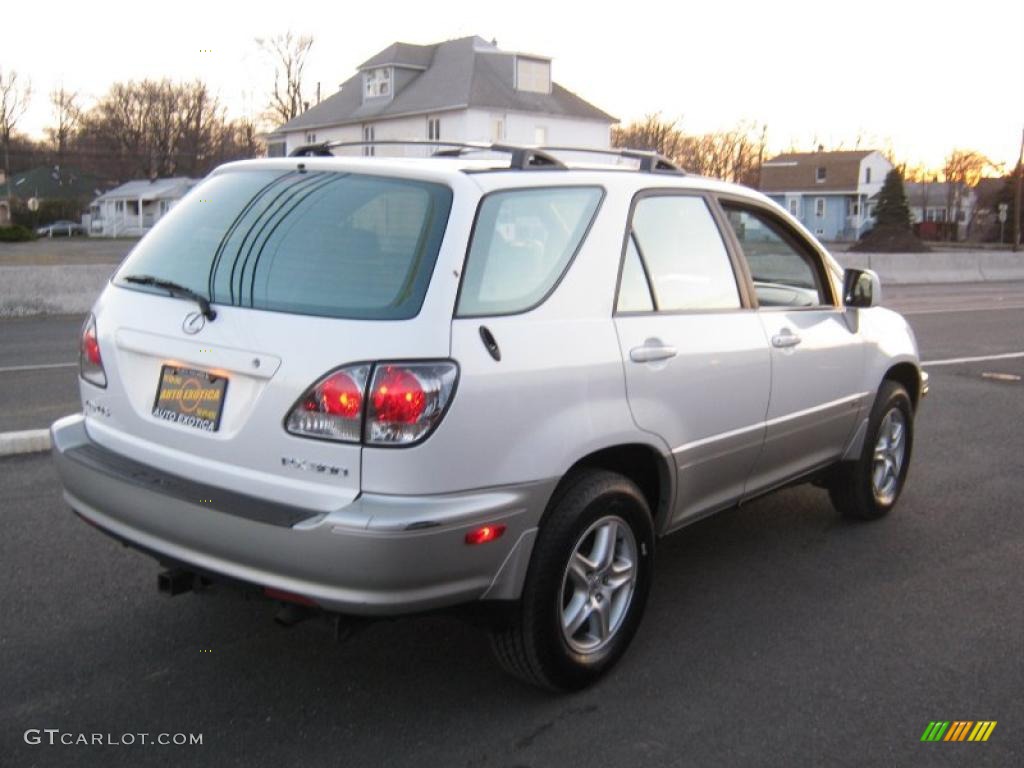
958,730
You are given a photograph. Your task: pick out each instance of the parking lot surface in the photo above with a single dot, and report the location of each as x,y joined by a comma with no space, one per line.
777,634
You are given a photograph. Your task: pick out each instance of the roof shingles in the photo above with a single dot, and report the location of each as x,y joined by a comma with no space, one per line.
798,171
468,72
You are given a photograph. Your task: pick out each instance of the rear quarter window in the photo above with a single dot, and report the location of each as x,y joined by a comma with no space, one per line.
523,241
318,243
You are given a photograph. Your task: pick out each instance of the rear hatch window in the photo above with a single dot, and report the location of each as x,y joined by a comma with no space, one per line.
314,243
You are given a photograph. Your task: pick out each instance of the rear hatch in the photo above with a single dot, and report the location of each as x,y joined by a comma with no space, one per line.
307,271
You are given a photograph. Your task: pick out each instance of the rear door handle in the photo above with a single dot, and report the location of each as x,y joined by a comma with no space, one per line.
785,339
650,353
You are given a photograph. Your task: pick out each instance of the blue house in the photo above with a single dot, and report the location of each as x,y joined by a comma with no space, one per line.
833,194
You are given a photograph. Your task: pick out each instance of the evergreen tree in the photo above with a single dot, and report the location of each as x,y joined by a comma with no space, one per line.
892,211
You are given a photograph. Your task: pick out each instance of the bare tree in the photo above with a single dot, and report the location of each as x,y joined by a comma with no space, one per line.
15,95
735,154
288,53
962,170
67,117
653,133
157,128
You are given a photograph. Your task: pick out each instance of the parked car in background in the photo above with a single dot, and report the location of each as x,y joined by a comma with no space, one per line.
62,228
374,387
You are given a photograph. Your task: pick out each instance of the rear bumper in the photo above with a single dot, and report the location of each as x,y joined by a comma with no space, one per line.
379,555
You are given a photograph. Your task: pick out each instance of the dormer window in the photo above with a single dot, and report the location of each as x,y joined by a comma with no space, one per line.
377,83
820,174
533,75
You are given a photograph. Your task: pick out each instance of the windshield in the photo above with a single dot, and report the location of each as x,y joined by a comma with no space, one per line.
318,243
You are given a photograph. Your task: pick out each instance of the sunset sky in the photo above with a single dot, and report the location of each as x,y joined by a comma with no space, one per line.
923,76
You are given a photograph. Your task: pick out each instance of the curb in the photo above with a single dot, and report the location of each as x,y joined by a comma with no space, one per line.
27,441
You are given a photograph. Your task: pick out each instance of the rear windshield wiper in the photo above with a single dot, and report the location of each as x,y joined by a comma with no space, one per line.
175,289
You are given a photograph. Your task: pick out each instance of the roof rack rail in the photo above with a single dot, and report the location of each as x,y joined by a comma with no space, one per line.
521,158
649,161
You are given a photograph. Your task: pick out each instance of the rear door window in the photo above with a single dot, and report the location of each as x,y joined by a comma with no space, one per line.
317,243
523,241
683,255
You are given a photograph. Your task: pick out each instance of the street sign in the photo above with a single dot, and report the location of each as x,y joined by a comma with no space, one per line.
1002,211
33,204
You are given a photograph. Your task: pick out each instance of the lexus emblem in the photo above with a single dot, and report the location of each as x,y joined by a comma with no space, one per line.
193,323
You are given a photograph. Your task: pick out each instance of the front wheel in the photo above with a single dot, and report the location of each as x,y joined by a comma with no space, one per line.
868,488
585,592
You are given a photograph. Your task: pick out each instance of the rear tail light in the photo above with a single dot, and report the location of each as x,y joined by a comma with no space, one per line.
407,400
90,362
333,407
384,404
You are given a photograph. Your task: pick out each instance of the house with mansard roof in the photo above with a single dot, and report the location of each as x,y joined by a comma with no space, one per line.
459,90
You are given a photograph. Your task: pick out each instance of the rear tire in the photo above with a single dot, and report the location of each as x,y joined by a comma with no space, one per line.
587,585
868,488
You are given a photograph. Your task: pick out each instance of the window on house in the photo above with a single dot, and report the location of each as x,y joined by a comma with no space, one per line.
368,135
794,207
497,128
819,207
540,135
819,174
377,82
854,208
871,211
311,138
433,129
533,75
867,175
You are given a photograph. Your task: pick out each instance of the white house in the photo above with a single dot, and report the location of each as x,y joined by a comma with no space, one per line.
133,208
459,90
829,192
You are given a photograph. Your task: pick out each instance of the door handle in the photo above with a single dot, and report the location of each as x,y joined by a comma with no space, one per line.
785,339
650,353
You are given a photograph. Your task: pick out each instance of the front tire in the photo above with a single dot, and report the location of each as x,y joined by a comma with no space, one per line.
587,585
868,488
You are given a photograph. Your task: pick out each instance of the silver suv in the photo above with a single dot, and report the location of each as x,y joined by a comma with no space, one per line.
372,387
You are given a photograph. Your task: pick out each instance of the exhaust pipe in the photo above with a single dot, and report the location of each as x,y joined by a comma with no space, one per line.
175,581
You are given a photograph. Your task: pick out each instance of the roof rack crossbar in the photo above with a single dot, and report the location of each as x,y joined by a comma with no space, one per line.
649,161
521,158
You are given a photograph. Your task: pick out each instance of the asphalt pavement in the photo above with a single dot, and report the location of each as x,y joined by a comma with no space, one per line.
776,635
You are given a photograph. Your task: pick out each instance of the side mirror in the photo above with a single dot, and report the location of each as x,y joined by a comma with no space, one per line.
861,288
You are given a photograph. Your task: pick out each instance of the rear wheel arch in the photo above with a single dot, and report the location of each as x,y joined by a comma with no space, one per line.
641,463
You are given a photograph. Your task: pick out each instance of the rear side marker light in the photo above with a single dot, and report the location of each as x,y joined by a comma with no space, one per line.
90,361
485,533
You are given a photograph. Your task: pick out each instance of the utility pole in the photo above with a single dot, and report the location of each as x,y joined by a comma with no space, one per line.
1016,195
